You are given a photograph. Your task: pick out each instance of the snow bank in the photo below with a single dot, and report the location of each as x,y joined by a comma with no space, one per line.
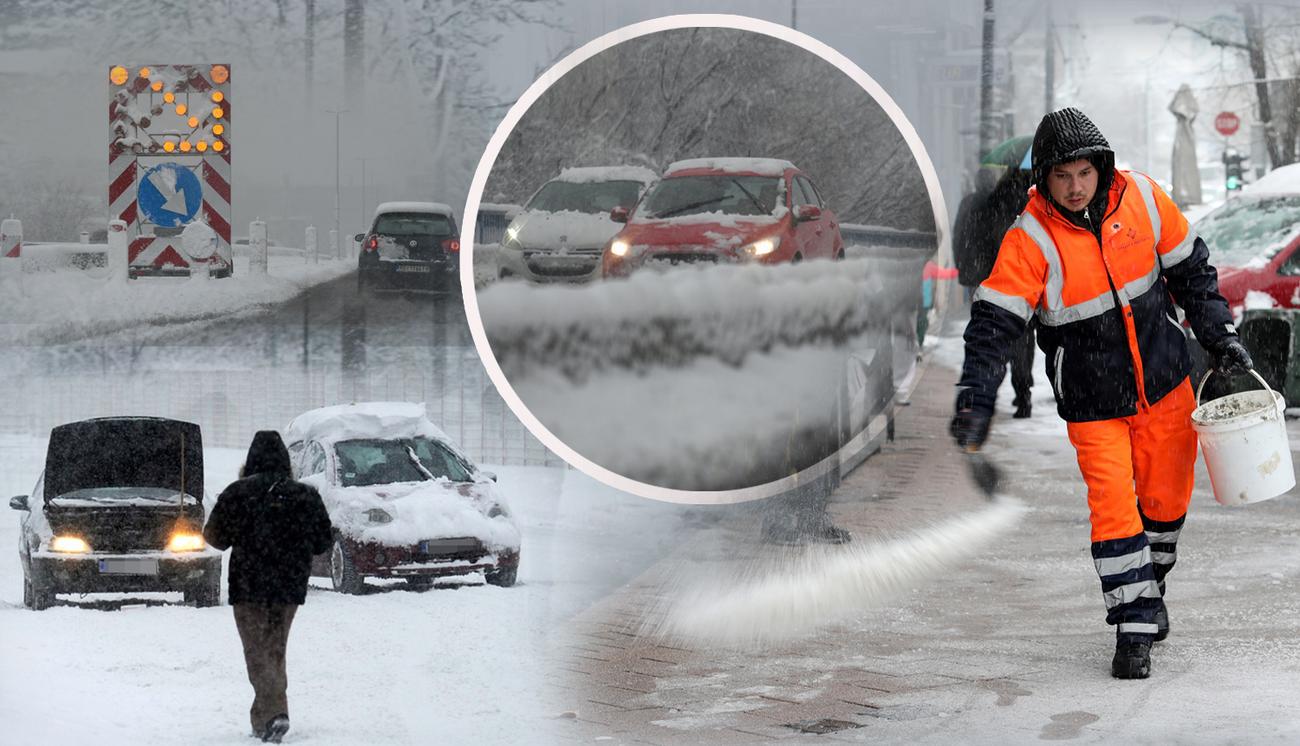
591,174
49,307
758,166
1283,180
1259,299
720,312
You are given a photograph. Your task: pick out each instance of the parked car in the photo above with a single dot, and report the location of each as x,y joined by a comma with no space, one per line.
725,210
410,245
404,500
1254,241
566,224
118,508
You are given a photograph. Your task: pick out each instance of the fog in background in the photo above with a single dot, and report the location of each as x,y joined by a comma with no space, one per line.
692,93
436,76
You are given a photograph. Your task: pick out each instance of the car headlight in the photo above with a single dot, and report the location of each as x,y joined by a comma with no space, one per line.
619,248
186,541
498,510
512,233
764,246
379,515
70,544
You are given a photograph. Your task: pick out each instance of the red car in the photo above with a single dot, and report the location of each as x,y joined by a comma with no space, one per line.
724,210
1254,241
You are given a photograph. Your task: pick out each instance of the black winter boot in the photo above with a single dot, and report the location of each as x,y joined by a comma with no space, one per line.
275,729
1132,658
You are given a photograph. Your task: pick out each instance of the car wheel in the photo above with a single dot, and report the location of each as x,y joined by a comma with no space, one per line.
419,583
343,574
37,598
505,577
207,593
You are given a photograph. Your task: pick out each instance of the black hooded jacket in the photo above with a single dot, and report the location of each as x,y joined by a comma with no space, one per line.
1068,135
273,525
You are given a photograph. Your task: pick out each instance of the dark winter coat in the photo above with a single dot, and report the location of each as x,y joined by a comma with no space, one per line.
273,525
1104,294
982,220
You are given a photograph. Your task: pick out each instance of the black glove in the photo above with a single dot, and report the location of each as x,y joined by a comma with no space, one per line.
969,428
1232,359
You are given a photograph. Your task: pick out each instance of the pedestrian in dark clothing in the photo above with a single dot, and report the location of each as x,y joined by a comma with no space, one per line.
273,525
989,216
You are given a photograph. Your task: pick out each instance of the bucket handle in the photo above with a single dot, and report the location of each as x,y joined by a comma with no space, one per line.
1211,371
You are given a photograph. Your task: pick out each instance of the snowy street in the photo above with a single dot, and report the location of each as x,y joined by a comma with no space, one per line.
999,637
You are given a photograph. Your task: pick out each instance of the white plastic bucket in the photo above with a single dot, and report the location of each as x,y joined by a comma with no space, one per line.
1243,438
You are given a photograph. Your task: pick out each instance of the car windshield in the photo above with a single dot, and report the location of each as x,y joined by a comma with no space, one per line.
122,496
1250,230
372,461
592,197
730,195
413,224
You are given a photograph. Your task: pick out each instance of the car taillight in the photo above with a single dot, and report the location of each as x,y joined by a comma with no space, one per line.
451,244
372,243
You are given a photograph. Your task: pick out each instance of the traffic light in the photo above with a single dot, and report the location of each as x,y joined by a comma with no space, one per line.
1234,169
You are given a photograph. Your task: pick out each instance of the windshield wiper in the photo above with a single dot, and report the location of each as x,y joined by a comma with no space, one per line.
761,209
419,464
689,207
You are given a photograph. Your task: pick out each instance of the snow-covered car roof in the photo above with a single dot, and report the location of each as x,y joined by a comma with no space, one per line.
1282,180
430,207
757,166
363,420
587,174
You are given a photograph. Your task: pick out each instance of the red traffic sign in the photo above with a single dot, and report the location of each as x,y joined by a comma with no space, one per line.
1227,123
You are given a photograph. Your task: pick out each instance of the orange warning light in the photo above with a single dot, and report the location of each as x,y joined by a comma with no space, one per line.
156,86
180,110
169,146
185,146
217,97
169,97
218,112
202,146
118,75
220,74
218,146
193,122
144,72
217,129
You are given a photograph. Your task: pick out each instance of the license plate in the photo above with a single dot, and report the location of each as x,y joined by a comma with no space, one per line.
448,546
128,566
413,268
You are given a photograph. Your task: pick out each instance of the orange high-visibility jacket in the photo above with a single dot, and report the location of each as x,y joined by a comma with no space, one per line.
1106,306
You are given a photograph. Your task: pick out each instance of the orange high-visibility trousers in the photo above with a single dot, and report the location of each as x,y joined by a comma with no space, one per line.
1145,459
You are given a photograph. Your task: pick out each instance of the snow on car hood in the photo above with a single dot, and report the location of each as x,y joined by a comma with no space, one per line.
534,229
421,510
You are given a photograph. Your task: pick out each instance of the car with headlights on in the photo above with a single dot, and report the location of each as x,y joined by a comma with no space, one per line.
565,225
119,508
410,245
405,501
711,210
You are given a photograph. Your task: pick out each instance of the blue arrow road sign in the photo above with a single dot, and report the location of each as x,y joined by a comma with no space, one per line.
170,195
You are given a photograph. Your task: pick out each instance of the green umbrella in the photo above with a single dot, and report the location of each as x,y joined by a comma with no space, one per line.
1009,153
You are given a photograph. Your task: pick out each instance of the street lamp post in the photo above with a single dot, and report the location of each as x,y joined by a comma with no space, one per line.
338,113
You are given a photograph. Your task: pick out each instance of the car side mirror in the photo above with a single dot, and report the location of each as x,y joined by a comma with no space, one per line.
19,502
359,237
804,213
490,476
619,214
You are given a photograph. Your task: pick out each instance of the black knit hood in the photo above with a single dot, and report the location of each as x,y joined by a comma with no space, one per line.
1068,135
267,455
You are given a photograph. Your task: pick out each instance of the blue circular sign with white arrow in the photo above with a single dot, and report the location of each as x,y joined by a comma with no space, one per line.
170,195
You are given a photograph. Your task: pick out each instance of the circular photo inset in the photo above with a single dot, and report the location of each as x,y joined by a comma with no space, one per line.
696,263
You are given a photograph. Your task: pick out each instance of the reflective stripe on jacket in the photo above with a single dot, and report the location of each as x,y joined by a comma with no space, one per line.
1108,321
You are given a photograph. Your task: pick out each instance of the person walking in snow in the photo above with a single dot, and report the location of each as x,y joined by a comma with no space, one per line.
1100,256
273,525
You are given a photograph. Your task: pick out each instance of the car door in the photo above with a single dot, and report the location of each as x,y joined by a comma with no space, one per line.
804,231
1284,284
